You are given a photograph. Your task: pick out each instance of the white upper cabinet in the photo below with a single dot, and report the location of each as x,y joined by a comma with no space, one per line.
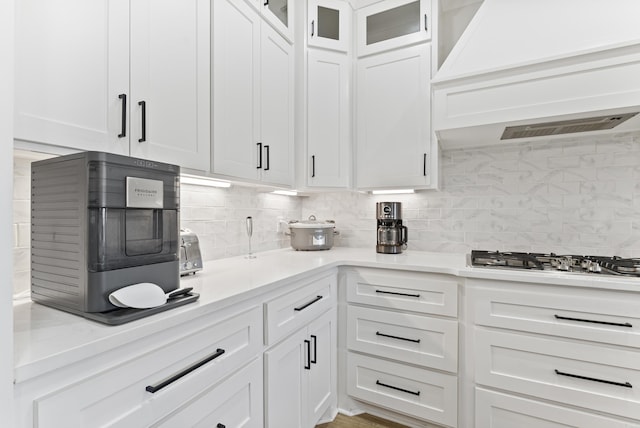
84,68
329,24
72,63
278,13
328,119
252,97
393,125
391,24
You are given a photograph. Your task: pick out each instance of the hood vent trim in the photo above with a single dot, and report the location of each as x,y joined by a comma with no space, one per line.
545,129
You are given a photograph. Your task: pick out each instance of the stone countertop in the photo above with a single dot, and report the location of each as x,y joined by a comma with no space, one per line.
46,339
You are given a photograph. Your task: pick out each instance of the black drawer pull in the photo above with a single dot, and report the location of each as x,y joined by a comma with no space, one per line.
158,386
397,389
221,426
397,337
609,382
123,132
397,294
307,364
306,305
619,324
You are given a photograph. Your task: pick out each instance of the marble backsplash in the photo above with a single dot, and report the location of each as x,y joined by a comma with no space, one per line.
573,195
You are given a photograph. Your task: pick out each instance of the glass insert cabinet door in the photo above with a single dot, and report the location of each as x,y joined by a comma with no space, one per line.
279,13
393,24
328,24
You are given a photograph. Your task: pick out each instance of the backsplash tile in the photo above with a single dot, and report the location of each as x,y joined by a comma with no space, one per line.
575,195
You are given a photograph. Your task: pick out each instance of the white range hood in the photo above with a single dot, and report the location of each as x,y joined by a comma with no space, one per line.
541,68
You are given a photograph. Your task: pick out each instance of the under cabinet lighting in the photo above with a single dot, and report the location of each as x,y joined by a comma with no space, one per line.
393,192
203,181
285,192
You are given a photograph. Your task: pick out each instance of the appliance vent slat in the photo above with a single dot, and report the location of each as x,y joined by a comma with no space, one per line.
598,123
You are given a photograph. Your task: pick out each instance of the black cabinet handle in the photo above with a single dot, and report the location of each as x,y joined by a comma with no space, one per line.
266,148
307,365
123,132
314,360
306,305
313,25
397,389
266,2
397,337
143,104
158,386
221,426
626,324
313,166
593,379
259,155
426,28
424,165
397,294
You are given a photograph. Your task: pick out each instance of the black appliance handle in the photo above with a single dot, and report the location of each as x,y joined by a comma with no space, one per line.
143,138
593,379
404,236
123,131
397,389
397,294
165,382
397,337
619,324
306,305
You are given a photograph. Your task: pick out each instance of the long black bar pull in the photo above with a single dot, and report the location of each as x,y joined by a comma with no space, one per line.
163,383
395,293
307,364
619,324
143,105
306,305
397,389
593,379
123,132
397,337
259,155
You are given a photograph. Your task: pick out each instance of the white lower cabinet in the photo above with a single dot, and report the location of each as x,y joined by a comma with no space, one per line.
235,402
300,375
178,371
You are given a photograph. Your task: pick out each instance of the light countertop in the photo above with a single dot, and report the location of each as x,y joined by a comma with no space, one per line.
46,338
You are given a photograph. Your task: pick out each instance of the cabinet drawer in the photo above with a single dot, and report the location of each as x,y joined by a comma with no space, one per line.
118,397
602,378
496,410
289,312
588,314
411,291
415,339
236,402
417,392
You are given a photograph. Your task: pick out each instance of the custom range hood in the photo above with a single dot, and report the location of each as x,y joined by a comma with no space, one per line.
537,69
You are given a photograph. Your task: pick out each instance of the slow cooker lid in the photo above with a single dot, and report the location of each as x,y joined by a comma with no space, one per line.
312,223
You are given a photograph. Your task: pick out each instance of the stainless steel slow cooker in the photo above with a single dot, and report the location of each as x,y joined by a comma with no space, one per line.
312,234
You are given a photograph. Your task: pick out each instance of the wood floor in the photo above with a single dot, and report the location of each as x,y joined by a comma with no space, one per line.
360,421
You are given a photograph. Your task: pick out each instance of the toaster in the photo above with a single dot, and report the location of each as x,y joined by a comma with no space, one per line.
190,256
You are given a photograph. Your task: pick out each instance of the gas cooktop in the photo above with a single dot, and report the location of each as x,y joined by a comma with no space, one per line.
555,262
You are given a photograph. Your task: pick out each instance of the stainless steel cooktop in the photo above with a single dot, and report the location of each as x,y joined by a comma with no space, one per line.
564,263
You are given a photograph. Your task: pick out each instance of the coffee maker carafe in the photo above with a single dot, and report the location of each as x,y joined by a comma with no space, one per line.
392,235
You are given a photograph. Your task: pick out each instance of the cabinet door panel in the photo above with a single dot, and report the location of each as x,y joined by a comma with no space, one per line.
322,375
169,72
276,108
236,88
329,24
394,118
328,119
72,62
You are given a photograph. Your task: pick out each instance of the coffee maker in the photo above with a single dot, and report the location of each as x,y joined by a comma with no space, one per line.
392,235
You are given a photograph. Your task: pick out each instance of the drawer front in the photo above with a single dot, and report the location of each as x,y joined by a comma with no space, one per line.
411,291
236,402
118,397
585,375
289,312
594,315
415,339
416,392
497,410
